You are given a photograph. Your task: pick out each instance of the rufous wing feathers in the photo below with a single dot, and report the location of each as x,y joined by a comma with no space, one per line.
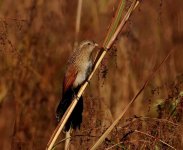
69,78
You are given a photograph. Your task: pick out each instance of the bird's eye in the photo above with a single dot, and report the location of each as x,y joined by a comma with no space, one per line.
89,44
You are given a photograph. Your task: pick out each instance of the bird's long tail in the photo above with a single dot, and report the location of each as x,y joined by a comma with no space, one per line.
75,118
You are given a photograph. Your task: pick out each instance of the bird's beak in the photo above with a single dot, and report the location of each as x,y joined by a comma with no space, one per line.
96,45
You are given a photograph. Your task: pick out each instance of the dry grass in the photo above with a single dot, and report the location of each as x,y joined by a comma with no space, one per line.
36,38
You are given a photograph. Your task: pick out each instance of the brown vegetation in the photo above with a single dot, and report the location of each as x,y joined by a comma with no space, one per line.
36,38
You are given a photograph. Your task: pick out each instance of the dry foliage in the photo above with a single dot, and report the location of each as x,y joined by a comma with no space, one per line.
36,37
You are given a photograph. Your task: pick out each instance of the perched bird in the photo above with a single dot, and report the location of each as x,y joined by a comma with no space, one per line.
78,68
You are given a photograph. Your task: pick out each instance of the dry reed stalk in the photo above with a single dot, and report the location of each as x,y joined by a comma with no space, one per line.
78,22
67,141
106,133
77,30
106,46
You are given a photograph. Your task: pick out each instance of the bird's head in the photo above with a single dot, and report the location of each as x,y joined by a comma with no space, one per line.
87,45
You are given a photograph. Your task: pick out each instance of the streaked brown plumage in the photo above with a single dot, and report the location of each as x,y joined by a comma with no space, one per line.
78,68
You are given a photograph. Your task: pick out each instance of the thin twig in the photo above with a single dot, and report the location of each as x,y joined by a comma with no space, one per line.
137,131
160,120
113,145
66,138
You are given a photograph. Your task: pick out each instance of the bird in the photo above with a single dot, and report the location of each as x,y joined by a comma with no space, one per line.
79,66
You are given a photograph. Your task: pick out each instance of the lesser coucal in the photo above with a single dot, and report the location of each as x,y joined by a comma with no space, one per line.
78,68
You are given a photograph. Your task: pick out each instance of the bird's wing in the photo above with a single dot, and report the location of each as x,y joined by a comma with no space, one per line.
69,78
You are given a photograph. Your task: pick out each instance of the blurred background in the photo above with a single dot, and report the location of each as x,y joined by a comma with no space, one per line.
36,38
